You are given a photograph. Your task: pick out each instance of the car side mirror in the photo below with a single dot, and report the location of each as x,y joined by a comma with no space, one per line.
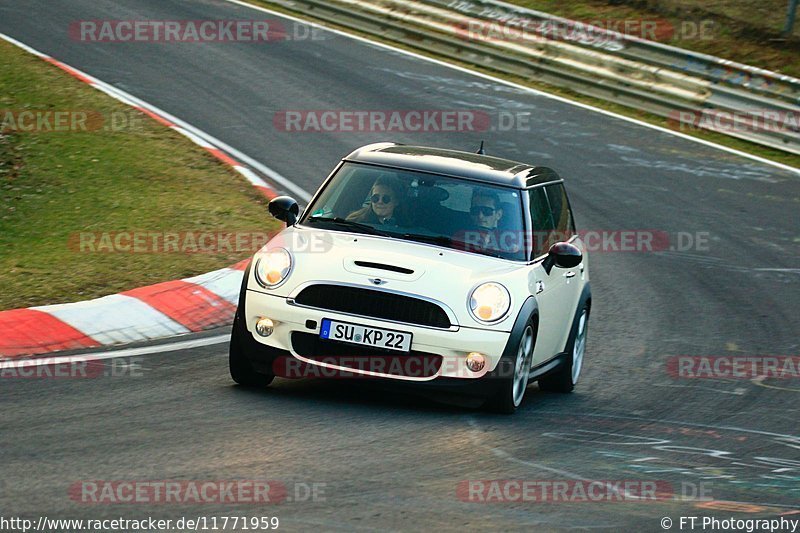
284,208
562,255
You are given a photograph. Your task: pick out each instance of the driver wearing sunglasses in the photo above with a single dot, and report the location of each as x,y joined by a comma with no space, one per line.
383,201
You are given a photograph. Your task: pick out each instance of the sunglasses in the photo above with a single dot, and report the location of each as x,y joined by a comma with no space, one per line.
377,197
484,210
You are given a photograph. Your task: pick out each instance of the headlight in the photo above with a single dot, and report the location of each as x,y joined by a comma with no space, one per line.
272,267
489,302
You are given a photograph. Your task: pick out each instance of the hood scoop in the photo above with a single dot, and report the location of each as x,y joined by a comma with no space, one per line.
382,266
386,267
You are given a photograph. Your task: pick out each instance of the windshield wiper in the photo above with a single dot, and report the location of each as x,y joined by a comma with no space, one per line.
339,221
441,240
484,251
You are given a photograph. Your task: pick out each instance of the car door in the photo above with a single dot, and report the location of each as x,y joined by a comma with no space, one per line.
557,292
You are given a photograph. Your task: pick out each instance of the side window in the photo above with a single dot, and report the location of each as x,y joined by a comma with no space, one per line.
562,215
542,220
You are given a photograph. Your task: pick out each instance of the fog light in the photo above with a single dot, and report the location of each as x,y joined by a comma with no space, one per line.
264,327
475,361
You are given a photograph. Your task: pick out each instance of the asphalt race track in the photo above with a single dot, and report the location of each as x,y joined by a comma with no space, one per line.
392,460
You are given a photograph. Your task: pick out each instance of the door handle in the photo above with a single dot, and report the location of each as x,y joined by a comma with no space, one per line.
569,274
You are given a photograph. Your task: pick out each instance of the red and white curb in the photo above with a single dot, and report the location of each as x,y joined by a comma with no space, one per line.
146,313
153,312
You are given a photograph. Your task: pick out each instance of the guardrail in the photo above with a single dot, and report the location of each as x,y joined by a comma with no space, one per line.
709,92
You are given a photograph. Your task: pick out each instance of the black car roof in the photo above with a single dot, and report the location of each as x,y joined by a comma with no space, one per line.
454,163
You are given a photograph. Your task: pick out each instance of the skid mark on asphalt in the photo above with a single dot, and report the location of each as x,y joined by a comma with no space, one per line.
737,392
705,171
679,423
502,454
783,275
780,468
760,382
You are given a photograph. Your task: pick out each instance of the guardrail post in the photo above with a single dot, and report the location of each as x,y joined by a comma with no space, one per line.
787,30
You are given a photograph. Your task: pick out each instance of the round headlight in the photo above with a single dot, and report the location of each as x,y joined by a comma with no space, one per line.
272,267
489,302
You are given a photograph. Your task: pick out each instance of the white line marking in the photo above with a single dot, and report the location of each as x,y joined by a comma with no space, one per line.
126,352
129,99
523,87
252,177
23,46
194,138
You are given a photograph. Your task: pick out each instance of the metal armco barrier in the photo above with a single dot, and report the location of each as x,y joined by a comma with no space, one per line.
738,100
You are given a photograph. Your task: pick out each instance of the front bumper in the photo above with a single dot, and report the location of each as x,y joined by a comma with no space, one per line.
452,346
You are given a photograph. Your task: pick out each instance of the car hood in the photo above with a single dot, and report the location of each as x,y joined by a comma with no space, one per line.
410,267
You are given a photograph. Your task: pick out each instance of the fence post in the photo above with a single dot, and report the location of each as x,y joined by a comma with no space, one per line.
790,13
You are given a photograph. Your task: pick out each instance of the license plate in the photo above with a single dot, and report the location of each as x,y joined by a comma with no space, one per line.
365,335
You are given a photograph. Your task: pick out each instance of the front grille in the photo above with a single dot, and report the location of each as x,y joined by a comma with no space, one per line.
374,304
411,364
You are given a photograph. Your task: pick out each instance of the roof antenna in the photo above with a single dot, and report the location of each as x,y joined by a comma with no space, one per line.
480,150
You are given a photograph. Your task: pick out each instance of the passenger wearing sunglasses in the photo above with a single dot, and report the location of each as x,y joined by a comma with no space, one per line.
485,213
383,202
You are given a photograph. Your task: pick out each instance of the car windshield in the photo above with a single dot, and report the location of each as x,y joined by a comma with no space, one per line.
455,213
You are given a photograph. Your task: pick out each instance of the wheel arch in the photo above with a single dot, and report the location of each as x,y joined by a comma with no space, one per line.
584,300
529,311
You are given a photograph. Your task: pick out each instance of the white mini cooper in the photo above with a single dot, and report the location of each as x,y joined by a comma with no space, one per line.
422,265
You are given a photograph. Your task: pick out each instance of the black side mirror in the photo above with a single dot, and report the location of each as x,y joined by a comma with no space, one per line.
562,255
284,208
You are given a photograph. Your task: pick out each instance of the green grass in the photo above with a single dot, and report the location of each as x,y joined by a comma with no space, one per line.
146,178
718,138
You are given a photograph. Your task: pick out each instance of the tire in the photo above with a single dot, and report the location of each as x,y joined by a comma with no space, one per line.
241,369
565,379
511,390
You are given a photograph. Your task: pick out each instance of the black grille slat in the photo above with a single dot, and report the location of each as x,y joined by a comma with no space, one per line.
375,304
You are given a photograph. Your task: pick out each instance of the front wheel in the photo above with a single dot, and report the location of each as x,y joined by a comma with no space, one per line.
512,388
565,379
241,370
